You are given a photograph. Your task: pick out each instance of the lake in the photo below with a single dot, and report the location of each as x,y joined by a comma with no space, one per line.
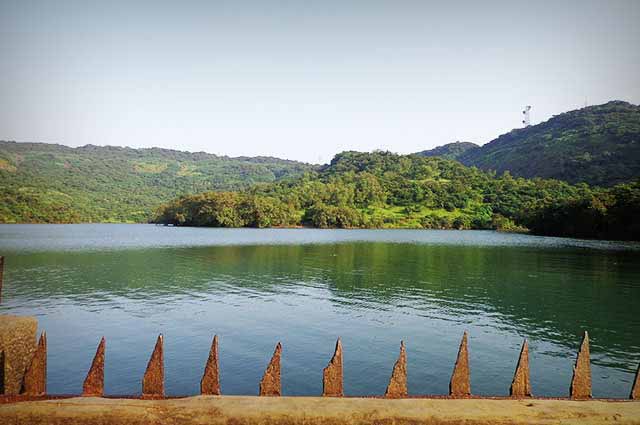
304,287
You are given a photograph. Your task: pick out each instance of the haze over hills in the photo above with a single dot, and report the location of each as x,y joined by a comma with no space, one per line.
598,145
42,182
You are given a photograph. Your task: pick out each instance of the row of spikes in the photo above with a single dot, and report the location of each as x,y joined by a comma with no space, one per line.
332,375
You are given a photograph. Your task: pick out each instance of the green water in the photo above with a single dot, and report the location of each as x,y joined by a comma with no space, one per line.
307,287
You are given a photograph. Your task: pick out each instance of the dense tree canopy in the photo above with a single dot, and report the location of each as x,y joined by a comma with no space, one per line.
598,145
49,183
451,150
385,190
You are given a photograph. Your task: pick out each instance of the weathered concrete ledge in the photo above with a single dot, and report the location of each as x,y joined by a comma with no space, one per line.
317,410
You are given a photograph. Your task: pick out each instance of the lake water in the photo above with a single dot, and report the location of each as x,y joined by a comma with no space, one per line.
373,288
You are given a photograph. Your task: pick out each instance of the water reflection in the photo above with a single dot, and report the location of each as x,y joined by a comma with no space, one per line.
371,293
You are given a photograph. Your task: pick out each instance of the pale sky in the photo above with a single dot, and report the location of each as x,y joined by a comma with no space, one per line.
305,79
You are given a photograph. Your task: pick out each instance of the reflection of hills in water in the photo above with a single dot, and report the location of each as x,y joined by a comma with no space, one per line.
550,295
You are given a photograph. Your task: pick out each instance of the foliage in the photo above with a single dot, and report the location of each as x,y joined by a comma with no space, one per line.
610,214
450,150
598,145
226,209
57,184
386,190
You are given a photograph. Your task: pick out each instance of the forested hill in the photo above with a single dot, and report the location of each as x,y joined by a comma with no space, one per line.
450,150
42,182
385,190
598,145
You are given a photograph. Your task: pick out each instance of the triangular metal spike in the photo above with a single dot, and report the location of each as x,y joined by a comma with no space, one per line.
210,383
93,385
332,375
398,382
35,378
270,383
460,385
521,384
635,389
153,380
581,380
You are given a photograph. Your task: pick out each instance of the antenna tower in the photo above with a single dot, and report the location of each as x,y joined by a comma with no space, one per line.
526,116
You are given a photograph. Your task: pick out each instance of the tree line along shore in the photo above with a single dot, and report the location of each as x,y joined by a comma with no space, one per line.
386,190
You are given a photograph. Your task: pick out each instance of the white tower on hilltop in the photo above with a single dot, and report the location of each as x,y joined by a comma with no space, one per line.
526,116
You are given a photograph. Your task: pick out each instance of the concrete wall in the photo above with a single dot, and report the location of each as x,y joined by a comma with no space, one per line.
317,410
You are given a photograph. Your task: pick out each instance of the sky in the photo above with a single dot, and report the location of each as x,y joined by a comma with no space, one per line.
304,80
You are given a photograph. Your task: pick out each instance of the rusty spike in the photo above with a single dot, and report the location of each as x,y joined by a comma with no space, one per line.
460,385
35,378
210,383
153,381
581,381
521,384
332,375
635,390
94,382
398,383
270,383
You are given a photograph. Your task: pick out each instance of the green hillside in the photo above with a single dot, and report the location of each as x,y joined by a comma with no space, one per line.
450,150
599,145
385,190
52,183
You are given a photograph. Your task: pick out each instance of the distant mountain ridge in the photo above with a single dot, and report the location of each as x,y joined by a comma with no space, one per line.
42,182
39,182
598,145
450,150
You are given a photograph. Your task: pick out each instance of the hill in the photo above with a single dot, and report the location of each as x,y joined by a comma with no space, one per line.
598,145
450,150
42,182
385,190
